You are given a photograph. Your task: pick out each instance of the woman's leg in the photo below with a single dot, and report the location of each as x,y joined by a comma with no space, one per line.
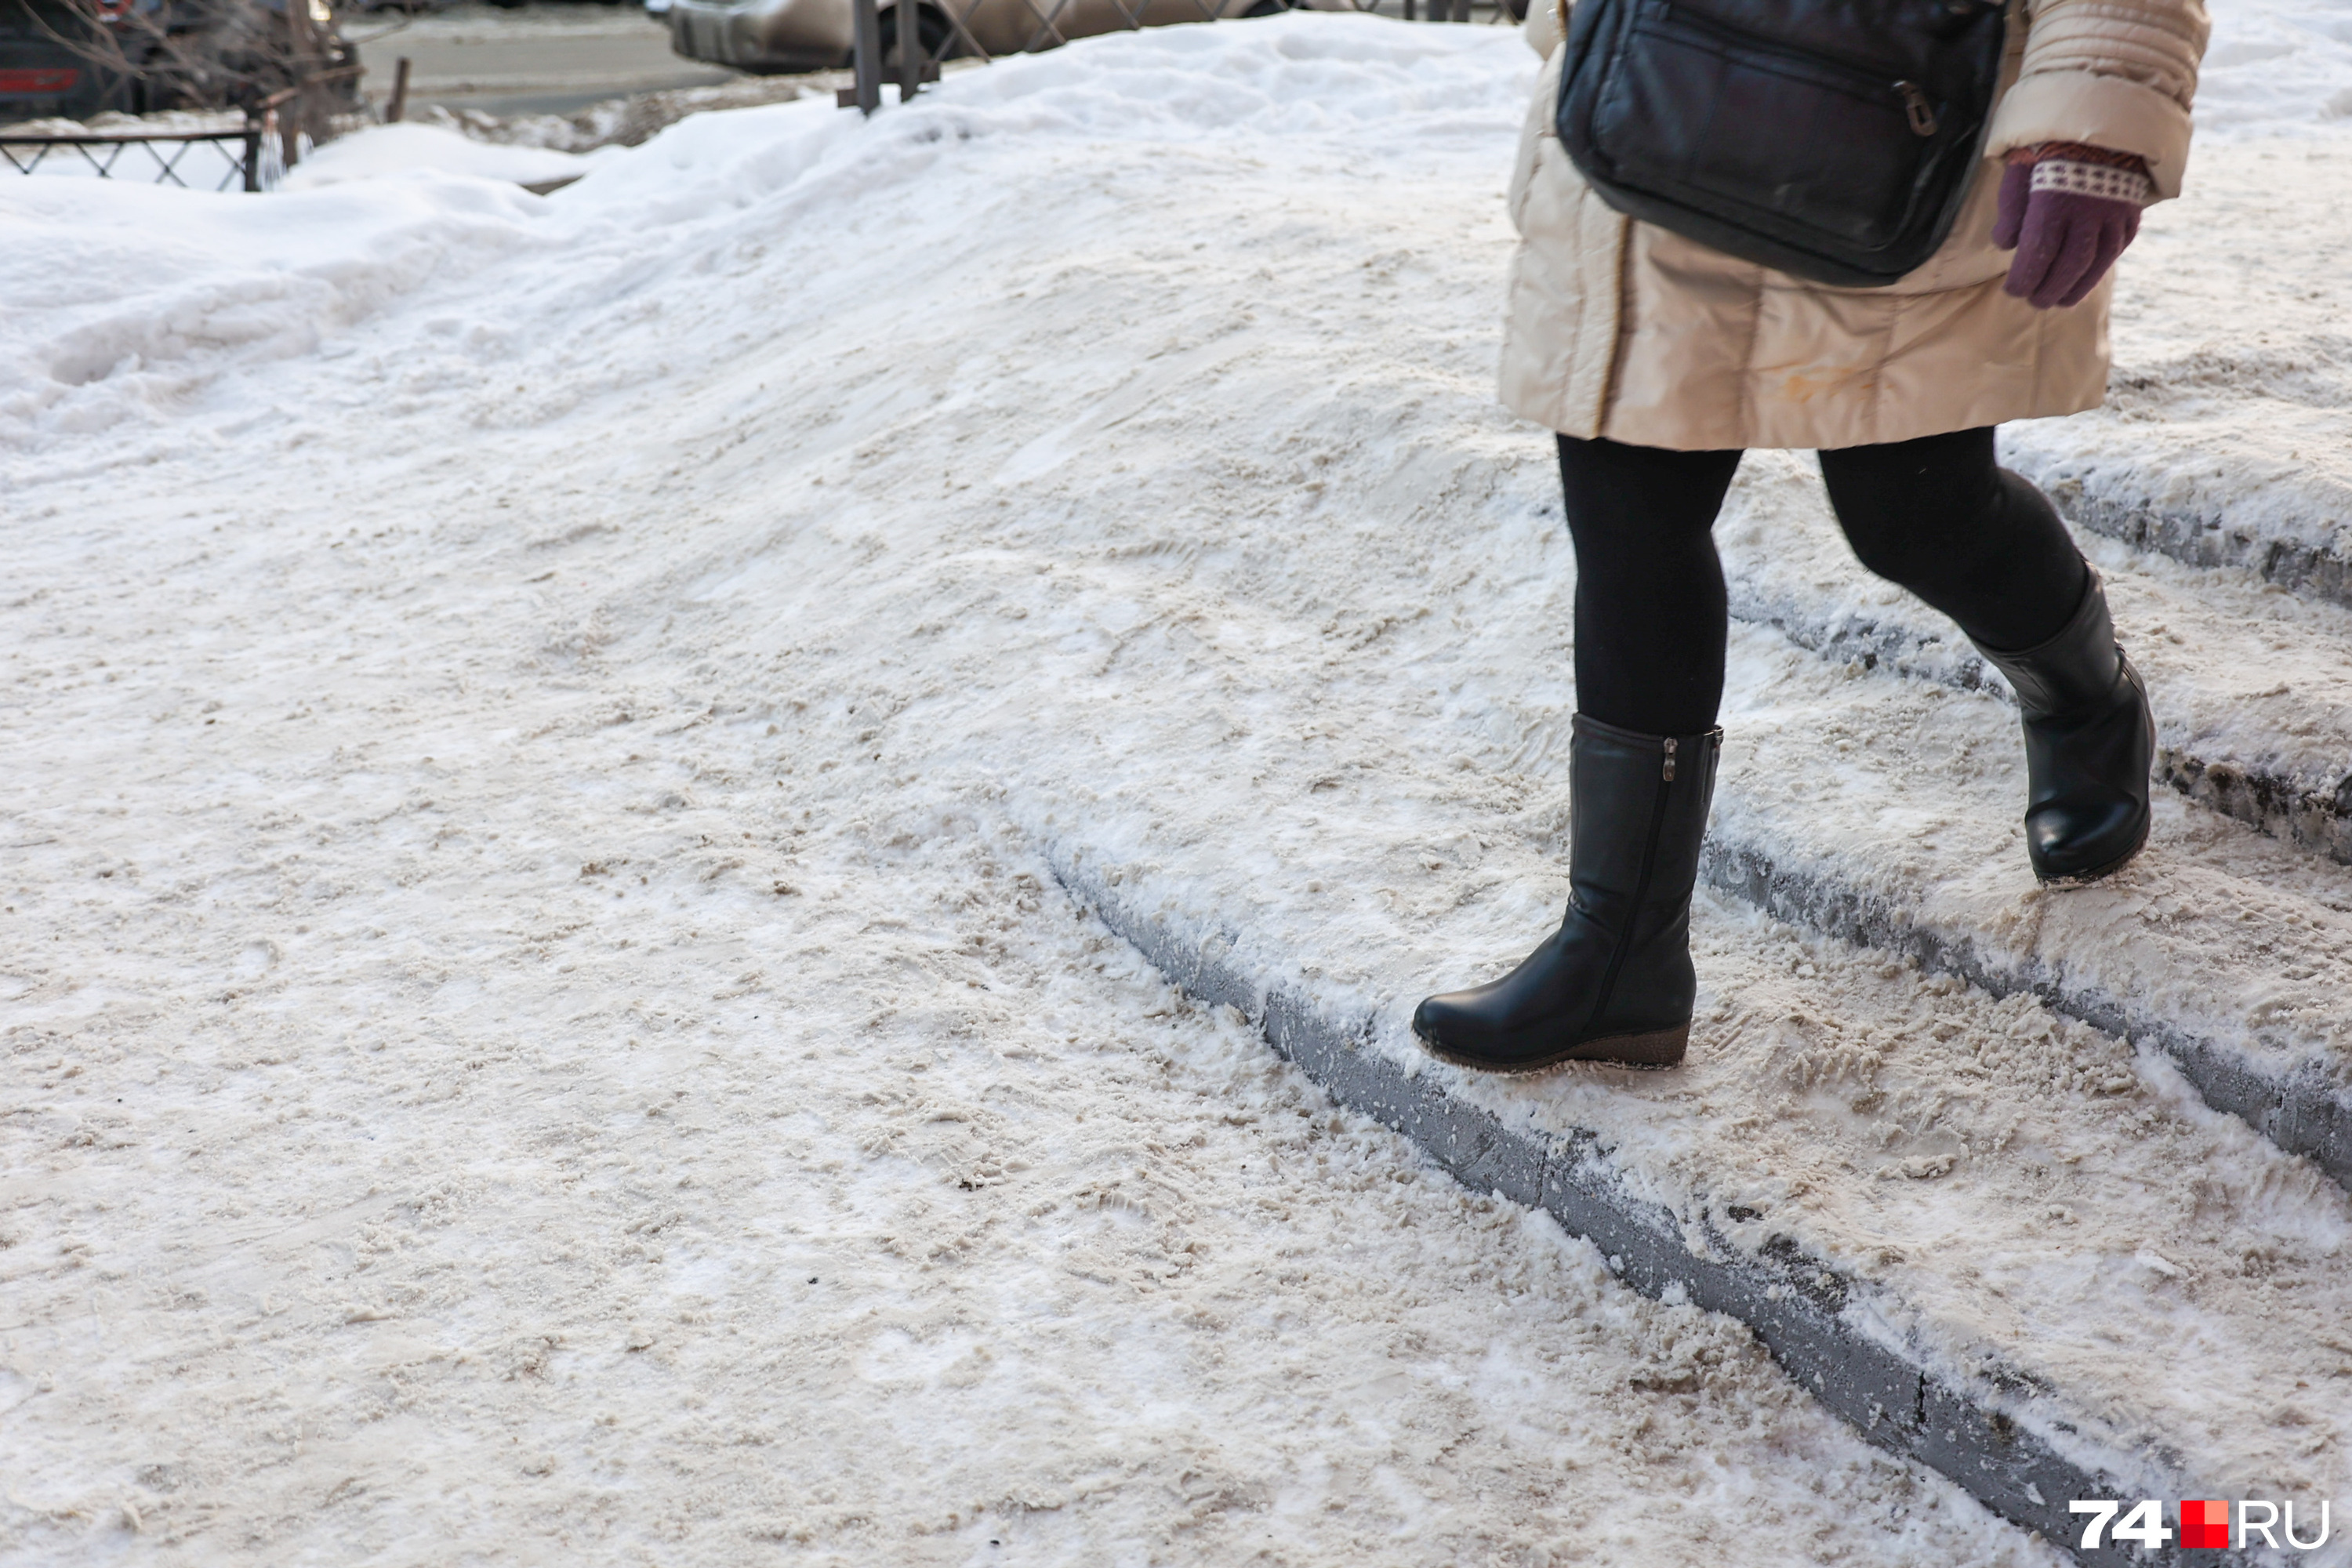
1979,543
1649,586
1615,983
1986,548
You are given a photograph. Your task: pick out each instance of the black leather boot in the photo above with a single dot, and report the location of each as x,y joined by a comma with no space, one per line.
1614,984
2089,741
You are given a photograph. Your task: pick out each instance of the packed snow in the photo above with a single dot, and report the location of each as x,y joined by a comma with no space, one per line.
383,150
538,1015
2276,68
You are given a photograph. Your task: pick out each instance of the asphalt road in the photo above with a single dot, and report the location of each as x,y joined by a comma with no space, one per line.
537,59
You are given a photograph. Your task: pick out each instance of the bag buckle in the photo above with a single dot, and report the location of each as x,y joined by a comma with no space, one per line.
1916,109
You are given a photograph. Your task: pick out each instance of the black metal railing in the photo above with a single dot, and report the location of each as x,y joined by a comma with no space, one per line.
192,160
253,156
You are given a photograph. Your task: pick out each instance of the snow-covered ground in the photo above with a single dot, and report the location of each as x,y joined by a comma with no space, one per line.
538,1020
403,149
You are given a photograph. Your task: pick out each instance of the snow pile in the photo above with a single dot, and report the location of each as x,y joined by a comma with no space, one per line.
1392,93
96,298
383,150
125,299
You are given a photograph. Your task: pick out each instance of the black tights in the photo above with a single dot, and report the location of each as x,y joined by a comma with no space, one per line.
1935,515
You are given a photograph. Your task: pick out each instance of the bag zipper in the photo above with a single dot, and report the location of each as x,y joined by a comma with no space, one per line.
1917,110
1854,66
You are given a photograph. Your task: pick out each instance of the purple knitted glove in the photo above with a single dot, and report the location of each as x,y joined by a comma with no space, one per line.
2068,211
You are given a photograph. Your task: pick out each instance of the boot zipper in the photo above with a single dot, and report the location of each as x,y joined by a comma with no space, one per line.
1641,886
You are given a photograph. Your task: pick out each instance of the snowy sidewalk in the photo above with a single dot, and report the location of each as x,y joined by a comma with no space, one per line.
540,1013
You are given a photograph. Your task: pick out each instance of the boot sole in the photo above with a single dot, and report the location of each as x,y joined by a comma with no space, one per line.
1658,1049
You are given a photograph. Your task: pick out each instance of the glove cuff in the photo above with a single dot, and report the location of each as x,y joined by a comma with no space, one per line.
2080,169
2103,180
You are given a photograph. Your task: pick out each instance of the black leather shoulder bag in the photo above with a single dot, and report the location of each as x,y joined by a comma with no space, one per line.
1829,138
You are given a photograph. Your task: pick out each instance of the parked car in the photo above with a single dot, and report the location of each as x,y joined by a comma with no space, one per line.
771,36
54,63
72,58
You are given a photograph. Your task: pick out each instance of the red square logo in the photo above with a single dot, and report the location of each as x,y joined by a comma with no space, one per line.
2205,1524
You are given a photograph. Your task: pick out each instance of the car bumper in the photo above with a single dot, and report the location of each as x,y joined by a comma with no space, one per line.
782,36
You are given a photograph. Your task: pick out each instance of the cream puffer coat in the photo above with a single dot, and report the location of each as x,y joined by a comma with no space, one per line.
1620,329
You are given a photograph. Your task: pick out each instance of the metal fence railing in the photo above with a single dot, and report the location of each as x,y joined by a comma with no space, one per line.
195,160
253,156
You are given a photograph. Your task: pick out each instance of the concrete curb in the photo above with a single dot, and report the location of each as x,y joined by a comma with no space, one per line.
1979,1432
2201,539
